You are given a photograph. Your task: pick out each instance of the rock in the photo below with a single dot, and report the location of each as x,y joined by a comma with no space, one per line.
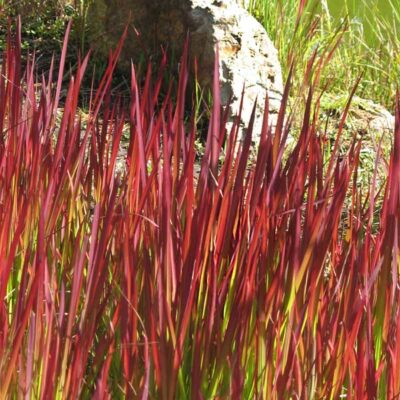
244,3
247,55
382,120
364,117
370,121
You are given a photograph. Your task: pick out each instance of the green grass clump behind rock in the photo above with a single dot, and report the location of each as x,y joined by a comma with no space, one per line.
369,44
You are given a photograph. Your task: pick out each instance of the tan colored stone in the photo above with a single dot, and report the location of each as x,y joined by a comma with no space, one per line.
247,55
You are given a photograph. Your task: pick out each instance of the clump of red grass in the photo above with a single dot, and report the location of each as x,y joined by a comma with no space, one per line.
157,283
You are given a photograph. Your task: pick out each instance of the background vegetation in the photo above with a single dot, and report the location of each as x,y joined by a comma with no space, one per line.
369,41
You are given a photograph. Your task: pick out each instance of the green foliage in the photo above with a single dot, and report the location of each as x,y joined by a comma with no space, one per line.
368,46
43,27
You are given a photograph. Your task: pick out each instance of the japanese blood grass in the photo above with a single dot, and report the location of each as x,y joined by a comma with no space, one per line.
241,282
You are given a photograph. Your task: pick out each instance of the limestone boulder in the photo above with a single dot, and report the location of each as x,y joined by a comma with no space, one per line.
247,55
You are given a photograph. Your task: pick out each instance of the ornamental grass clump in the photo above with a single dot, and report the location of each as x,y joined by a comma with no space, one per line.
160,281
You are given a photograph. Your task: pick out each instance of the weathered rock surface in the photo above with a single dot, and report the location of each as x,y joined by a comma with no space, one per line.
371,122
364,115
244,3
247,55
